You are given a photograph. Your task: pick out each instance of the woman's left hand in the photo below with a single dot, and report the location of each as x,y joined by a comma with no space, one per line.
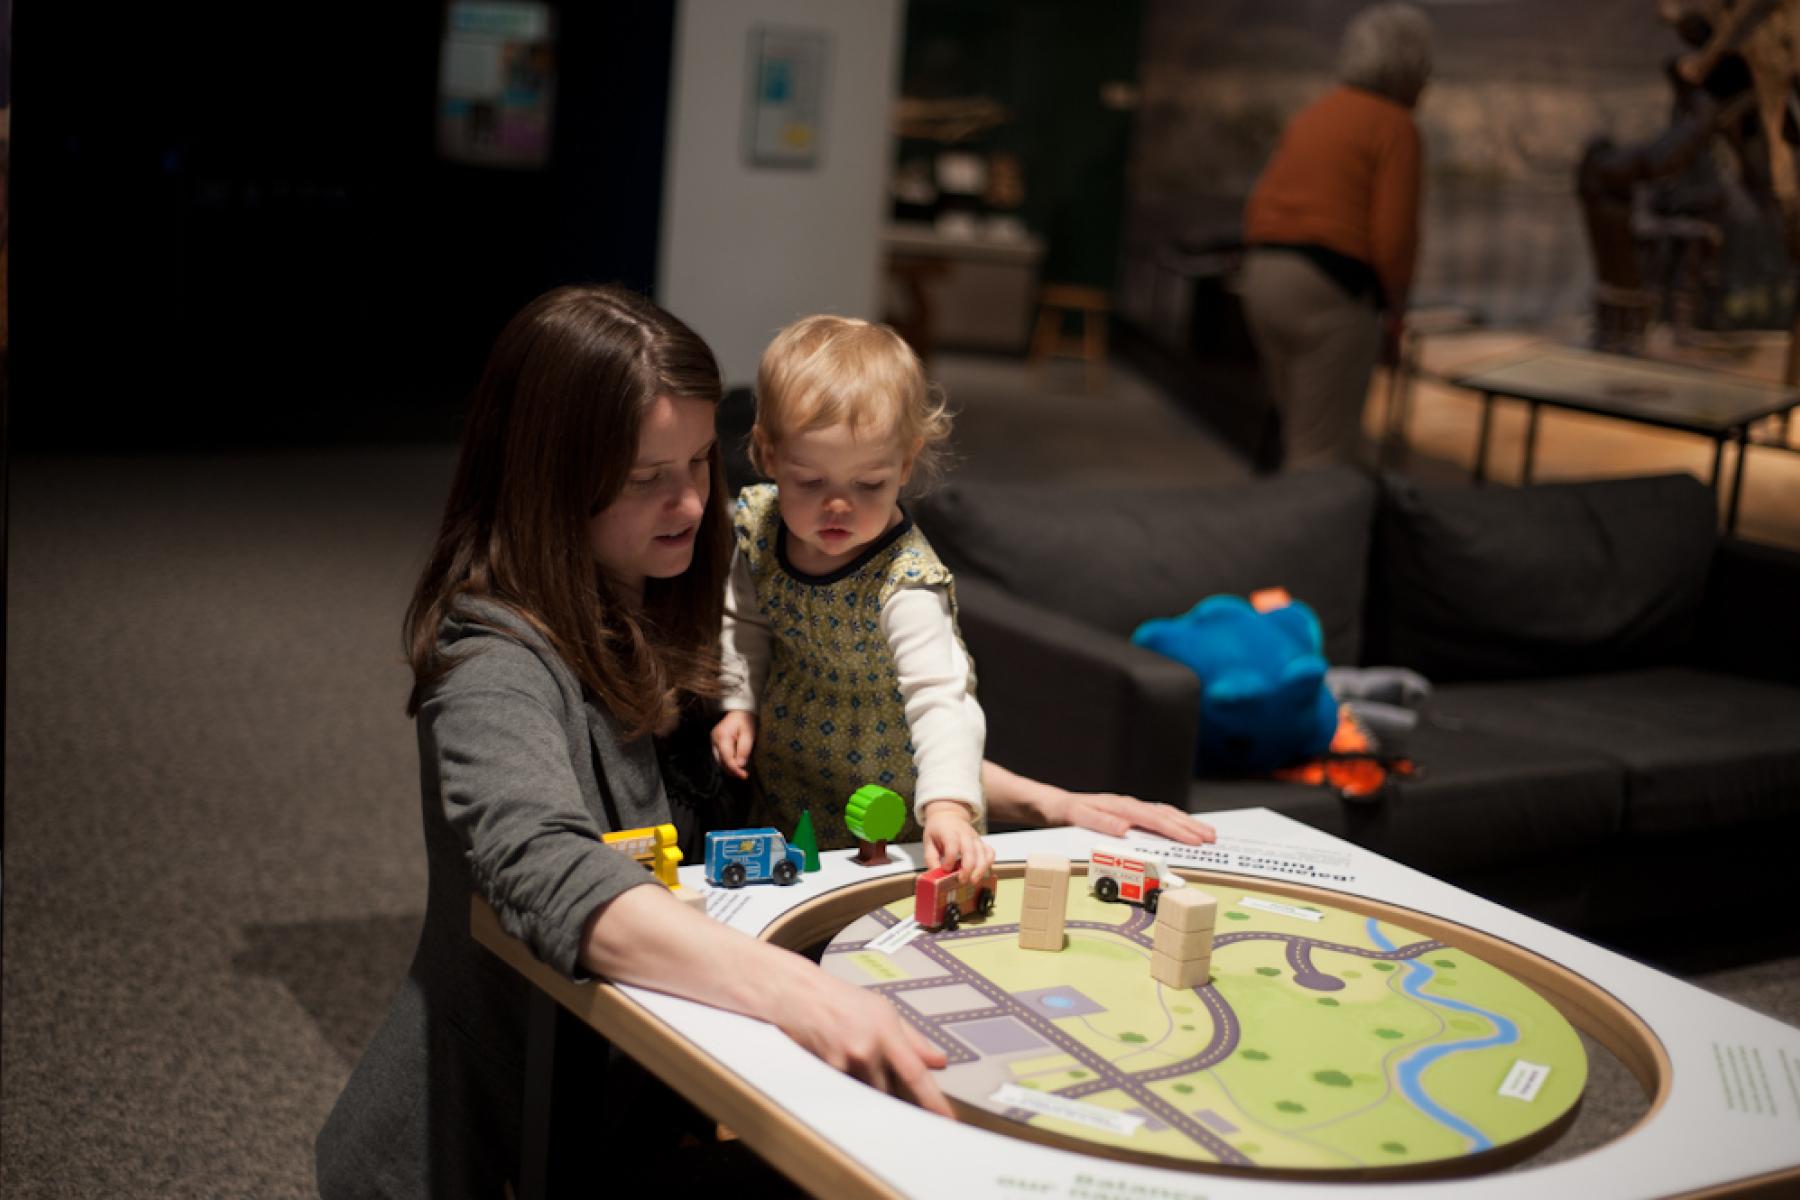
1115,815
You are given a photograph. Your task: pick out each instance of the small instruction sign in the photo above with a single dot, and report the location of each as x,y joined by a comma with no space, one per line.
1524,1080
1013,1096
1280,909
1746,1079
893,939
723,904
1303,864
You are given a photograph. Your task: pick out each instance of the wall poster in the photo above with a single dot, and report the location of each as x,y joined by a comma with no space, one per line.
496,83
786,113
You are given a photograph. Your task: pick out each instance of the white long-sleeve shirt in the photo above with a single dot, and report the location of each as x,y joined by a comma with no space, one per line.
947,727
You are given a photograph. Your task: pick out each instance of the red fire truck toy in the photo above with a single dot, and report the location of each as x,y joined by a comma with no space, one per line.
939,902
1121,873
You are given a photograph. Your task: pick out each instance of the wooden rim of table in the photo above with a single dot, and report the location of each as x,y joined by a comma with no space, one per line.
1583,1003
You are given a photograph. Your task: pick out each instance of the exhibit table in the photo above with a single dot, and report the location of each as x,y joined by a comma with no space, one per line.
973,292
1318,922
1666,395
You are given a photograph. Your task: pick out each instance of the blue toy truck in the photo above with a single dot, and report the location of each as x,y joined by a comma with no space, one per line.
735,857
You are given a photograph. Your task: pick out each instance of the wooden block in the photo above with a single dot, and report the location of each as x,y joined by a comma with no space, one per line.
1046,868
1182,943
1187,908
1040,939
1177,973
1054,891
1038,898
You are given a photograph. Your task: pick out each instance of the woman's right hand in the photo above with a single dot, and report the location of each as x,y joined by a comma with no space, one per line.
647,937
861,1034
732,740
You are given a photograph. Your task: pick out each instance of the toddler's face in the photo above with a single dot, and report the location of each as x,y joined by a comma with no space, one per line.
838,493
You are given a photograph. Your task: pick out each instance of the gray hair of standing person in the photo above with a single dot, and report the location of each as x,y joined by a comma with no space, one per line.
1387,50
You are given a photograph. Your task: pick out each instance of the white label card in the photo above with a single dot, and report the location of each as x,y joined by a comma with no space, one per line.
893,939
1092,1115
1524,1080
1280,909
722,904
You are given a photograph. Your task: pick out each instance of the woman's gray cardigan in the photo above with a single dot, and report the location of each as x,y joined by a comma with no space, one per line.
513,809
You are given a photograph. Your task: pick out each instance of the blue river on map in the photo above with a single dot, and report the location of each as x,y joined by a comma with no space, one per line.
1412,1068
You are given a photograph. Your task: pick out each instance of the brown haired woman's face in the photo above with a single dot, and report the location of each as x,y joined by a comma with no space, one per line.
648,531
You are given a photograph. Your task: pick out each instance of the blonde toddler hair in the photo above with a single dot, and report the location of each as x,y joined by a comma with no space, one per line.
824,370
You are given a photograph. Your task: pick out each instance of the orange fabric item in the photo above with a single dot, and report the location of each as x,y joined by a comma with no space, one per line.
1345,176
1352,767
1270,598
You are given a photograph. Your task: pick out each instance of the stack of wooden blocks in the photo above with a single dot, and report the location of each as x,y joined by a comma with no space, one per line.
1046,901
1181,952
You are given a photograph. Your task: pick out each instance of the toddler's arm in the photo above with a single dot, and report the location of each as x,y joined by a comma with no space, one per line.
948,728
744,649
732,740
951,836
743,641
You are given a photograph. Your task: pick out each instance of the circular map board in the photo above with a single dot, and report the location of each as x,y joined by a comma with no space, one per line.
1325,1042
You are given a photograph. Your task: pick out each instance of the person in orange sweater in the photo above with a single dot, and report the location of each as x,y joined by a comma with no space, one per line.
1333,228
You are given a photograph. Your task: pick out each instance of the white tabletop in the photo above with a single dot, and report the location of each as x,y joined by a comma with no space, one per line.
1731,1111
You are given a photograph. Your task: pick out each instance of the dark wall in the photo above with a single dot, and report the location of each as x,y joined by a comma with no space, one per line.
1045,61
232,225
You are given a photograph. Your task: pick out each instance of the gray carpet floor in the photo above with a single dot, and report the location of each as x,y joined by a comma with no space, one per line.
213,872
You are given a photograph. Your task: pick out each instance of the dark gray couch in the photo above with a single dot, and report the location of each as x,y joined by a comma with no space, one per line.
1614,738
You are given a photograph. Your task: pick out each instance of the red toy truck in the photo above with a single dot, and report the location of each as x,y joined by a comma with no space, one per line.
939,902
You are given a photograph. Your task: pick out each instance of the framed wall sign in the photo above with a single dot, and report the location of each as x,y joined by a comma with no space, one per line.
785,118
497,83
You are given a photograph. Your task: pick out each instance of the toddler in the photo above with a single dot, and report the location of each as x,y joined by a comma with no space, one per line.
842,659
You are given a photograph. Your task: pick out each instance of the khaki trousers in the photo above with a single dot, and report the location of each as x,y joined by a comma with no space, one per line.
1318,347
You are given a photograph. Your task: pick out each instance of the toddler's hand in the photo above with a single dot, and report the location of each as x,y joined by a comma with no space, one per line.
950,837
732,739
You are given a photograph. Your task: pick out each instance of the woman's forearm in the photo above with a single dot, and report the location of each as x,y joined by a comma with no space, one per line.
647,937
1016,800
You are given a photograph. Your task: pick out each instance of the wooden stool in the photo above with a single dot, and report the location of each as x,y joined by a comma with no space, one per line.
913,277
1056,302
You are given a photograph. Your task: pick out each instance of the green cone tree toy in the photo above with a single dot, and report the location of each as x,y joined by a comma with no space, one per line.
807,840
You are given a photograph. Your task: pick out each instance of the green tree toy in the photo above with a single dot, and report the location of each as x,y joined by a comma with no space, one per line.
807,840
874,816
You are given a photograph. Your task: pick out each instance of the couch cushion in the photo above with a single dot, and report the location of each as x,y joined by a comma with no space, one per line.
1699,749
1480,801
1495,583
1114,557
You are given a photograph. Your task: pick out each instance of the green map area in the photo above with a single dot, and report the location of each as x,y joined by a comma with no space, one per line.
1324,1039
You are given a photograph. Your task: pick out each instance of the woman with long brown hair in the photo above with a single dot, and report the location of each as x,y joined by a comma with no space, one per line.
564,643
570,609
